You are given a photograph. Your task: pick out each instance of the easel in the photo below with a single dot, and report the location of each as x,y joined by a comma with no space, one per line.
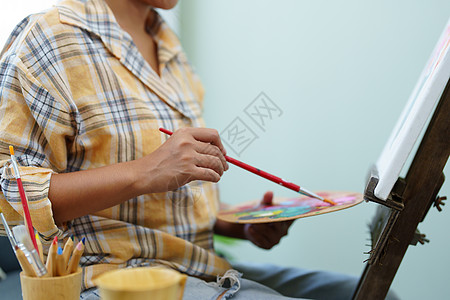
408,202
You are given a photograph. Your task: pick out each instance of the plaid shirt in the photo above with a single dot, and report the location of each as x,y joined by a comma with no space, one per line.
76,94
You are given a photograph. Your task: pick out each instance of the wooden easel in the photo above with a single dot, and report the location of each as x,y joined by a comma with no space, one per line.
408,202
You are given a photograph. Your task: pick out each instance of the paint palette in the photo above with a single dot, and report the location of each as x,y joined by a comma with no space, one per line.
284,209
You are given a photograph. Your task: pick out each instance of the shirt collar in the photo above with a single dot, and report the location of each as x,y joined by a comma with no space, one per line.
168,43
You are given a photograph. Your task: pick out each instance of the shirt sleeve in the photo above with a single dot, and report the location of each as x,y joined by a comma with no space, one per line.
38,127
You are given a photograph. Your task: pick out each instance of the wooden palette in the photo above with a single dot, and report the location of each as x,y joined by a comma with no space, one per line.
284,209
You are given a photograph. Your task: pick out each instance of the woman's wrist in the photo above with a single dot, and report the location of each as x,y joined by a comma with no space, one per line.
144,176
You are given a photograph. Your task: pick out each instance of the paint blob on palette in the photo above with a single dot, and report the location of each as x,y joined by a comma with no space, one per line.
284,209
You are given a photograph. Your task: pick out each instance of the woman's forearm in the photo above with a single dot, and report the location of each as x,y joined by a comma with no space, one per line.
79,193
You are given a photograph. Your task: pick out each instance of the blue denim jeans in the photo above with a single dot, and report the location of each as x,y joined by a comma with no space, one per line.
268,282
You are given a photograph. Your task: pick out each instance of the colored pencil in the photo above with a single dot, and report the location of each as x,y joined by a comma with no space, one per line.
60,263
268,176
68,248
75,259
51,258
23,198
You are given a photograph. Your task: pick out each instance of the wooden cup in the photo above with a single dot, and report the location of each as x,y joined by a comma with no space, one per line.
143,283
66,287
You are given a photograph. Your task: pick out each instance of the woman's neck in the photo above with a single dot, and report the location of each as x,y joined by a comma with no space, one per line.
131,15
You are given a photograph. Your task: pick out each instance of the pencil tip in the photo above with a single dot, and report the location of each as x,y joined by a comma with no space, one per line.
79,246
55,240
83,240
71,237
60,251
11,150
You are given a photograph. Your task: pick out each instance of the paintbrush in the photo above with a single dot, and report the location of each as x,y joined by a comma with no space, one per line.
268,176
23,198
11,238
25,245
23,262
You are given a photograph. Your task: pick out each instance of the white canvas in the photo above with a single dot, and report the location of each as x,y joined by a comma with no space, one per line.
418,109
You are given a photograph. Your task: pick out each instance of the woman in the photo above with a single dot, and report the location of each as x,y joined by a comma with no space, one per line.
84,88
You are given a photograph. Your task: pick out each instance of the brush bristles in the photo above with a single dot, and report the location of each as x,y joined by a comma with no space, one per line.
329,201
22,236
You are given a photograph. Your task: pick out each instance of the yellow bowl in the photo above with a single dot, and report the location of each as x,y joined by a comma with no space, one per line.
154,283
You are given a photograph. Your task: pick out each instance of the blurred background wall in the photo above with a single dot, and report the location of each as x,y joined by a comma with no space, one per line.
339,73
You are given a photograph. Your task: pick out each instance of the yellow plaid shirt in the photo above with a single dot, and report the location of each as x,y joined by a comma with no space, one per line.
76,94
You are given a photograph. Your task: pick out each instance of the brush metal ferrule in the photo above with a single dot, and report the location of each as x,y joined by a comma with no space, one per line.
310,194
34,260
15,167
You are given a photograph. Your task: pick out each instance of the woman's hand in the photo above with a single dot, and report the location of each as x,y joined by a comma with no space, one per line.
266,235
189,154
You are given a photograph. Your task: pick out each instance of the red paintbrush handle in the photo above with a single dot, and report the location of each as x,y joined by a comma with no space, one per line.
252,169
262,173
163,130
26,212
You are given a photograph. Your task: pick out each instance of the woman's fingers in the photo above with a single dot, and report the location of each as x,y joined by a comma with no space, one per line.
209,162
273,232
212,150
189,154
281,228
260,240
207,135
205,174
267,235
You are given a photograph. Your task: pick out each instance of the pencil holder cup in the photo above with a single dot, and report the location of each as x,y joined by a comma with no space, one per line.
141,284
66,287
